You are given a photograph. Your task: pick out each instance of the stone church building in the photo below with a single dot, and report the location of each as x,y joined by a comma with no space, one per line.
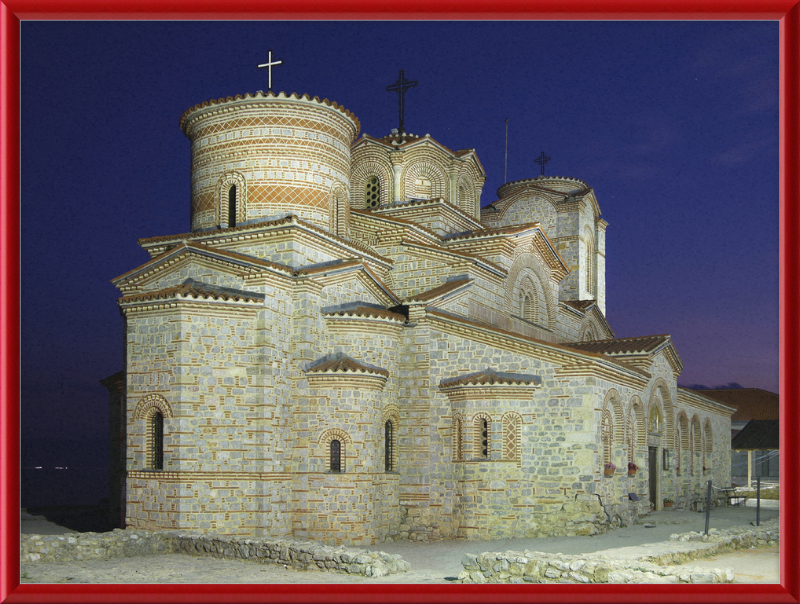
346,347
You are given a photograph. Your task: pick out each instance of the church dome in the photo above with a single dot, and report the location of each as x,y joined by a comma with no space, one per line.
563,184
264,155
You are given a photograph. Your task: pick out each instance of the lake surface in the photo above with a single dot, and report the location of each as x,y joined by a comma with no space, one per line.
70,486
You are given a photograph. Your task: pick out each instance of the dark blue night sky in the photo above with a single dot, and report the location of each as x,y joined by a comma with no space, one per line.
675,126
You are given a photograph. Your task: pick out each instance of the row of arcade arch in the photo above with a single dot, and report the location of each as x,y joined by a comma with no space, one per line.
685,443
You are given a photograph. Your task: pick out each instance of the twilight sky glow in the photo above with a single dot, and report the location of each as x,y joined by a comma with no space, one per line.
674,124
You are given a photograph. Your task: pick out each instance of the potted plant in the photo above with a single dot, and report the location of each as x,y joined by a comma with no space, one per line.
609,469
632,468
668,502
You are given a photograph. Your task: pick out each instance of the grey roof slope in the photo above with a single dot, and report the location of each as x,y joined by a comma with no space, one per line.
758,434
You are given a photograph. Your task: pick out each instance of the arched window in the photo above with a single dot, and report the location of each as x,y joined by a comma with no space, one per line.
591,269
655,420
482,442
684,438
388,445
528,310
232,206
607,436
373,192
630,434
157,441
336,456
696,452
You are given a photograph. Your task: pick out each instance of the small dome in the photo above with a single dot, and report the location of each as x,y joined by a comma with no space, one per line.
563,184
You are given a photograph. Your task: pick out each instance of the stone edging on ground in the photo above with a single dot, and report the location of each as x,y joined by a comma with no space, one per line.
539,567
299,555
121,543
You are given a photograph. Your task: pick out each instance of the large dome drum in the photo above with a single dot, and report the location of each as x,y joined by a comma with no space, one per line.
264,155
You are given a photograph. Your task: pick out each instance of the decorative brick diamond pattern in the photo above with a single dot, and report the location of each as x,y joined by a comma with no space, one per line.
511,425
290,155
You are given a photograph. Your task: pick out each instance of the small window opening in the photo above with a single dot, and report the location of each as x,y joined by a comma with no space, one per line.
157,438
388,446
484,438
655,420
336,456
458,444
232,206
373,192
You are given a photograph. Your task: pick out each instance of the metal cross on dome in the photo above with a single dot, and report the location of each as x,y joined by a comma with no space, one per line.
542,160
269,65
400,86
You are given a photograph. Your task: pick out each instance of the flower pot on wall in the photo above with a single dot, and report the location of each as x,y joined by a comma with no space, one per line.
631,472
668,504
609,471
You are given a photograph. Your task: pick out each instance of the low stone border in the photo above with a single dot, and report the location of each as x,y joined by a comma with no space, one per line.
92,546
121,543
300,555
539,567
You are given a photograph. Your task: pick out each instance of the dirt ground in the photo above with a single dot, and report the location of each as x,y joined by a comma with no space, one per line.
431,562
752,566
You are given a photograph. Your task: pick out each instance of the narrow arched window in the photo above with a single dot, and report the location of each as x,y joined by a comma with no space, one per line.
157,441
462,197
607,436
336,456
482,437
232,206
529,307
655,420
373,192
388,446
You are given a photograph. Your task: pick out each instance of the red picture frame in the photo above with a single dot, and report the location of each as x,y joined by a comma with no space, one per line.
12,11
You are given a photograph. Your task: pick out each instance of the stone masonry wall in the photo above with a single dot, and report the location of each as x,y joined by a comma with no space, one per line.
221,372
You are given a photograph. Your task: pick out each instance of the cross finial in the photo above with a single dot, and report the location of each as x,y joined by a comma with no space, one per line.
400,86
269,65
542,160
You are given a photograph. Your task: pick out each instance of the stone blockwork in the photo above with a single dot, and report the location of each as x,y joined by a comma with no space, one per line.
538,567
614,566
126,543
279,152
297,368
93,546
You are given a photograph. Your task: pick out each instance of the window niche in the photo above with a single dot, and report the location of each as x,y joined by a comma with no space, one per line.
388,446
157,441
372,194
336,457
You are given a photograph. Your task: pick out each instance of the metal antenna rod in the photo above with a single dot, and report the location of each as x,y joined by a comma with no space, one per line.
505,170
